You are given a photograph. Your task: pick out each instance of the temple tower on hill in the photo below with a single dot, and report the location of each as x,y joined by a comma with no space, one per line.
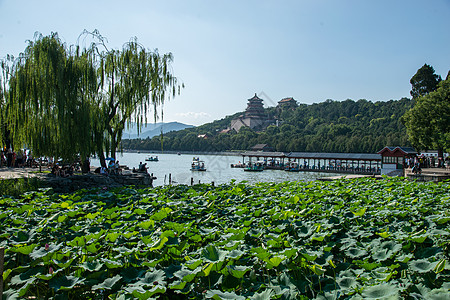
255,108
254,116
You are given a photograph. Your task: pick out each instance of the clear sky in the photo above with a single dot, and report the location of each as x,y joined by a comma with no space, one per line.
226,51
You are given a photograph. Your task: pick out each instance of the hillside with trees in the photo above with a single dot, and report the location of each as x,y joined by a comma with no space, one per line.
330,126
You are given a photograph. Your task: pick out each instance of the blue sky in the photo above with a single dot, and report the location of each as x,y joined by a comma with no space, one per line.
226,51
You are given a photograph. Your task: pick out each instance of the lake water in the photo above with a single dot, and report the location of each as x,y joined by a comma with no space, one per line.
218,169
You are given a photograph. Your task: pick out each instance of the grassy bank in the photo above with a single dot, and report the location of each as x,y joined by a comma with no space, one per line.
359,239
17,186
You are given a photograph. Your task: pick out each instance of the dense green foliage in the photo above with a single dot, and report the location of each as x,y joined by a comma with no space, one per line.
330,126
50,110
5,68
366,239
17,186
424,81
428,122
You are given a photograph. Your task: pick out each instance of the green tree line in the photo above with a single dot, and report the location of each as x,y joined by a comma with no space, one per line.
331,126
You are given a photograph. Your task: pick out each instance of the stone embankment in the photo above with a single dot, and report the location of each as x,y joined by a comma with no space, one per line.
81,181
87,181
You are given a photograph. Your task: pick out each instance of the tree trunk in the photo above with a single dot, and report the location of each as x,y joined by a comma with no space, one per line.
85,166
113,135
101,156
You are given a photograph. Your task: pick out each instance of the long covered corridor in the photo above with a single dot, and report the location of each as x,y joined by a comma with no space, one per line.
354,163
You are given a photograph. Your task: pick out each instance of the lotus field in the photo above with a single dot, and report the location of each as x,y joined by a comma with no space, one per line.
347,239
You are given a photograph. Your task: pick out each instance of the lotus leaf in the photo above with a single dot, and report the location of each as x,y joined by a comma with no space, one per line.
440,266
422,265
65,282
359,212
140,293
381,291
382,255
347,283
404,258
235,254
238,271
187,275
131,274
107,284
193,264
219,295
355,252
28,276
147,224
24,249
45,251
212,254
112,236
177,285
264,295
93,266
110,264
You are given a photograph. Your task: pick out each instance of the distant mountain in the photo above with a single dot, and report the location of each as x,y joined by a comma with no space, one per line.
153,129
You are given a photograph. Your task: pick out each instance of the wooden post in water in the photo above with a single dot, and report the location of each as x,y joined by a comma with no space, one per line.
170,178
192,181
212,183
2,260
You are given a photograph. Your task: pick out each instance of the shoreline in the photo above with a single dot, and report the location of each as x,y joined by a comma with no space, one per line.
224,153
13,173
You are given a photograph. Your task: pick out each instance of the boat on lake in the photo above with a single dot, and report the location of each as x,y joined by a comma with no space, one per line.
238,165
254,167
198,165
292,167
151,158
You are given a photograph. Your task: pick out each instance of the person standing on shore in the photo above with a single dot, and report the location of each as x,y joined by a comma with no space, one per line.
9,158
2,158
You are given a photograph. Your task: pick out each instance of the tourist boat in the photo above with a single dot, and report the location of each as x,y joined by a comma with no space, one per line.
254,167
292,167
198,165
151,158
239,165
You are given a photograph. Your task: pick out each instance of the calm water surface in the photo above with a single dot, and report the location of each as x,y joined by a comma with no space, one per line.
218,169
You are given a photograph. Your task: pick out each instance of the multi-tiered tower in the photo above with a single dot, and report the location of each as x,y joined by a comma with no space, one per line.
254,116
255,108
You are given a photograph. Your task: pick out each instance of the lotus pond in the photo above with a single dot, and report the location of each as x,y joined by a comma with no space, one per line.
347,239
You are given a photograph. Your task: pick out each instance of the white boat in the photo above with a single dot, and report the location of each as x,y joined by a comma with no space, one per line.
198,165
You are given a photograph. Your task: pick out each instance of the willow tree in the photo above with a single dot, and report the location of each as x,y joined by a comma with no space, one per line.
49,95
2,105
6,65
133,81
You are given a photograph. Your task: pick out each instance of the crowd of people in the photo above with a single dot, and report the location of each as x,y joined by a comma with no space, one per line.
417,163
113,168
20,159
427,162
142,168
63,171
